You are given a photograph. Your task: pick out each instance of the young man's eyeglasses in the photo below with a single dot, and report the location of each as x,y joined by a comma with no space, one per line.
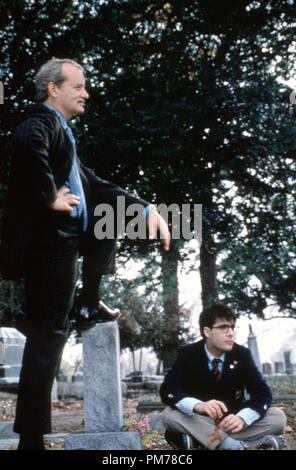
225,327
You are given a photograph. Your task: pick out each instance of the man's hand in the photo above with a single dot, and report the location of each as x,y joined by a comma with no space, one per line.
65,200
156,223
232,423
215,409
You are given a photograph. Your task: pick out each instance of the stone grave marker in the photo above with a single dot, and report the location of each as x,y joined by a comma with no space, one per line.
102,394
12,344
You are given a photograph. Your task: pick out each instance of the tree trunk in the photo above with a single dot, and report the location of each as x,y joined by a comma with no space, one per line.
170,305
140,360
208,276
134,359
159,365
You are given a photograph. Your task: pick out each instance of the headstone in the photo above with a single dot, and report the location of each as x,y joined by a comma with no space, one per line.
101,370
279,367
156,422
102,394
253,346
267,370
1,349
289,365
12,344
54,391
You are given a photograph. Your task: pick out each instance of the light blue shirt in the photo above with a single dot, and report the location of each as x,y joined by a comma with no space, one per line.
74,181
187,404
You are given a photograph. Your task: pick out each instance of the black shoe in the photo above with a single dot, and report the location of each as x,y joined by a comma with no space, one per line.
31,442
179,441
268,442
88,317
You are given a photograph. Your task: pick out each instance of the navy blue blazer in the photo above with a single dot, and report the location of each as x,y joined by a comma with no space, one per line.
190,377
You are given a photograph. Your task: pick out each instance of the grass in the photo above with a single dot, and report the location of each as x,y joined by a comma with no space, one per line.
282,384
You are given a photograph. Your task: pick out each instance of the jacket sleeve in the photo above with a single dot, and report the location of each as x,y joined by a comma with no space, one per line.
32,139
260,396
172,389
103,191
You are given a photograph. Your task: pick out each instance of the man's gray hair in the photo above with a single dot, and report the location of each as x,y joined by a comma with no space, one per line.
51,71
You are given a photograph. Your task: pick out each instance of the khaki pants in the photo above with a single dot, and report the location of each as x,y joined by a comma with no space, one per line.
203,428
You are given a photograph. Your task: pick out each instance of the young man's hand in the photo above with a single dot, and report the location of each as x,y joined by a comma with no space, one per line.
215,409
232,423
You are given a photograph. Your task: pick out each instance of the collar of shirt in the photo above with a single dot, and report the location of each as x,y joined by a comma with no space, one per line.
62,118
211,357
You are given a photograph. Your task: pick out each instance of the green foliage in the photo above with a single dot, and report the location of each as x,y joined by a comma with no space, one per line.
282,385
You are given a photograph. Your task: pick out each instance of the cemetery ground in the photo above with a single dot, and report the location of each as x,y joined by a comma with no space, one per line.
68,416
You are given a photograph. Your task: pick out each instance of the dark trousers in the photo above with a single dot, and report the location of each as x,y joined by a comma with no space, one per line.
50,288
50,283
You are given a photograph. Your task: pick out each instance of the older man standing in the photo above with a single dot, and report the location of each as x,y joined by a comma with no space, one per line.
47,217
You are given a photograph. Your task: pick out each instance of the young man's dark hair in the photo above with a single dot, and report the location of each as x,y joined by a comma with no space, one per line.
210,314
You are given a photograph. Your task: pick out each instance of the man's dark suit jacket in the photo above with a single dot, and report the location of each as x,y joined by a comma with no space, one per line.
190,377
42,161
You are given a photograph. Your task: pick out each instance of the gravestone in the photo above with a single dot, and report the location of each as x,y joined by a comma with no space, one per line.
267,369
289,365
102,394
54,391
279,367
12,344
253,346
1,349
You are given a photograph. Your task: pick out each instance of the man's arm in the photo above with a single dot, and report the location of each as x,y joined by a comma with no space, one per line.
172,389
104,191
215,409
32,140
187,405
256,386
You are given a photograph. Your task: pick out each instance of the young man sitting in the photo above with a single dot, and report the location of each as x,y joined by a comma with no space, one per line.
205,392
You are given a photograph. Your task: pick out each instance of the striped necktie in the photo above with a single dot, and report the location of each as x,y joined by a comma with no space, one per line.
216,372
74,182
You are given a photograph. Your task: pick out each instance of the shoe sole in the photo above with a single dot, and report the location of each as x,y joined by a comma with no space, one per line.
273,443
99,320
91,324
